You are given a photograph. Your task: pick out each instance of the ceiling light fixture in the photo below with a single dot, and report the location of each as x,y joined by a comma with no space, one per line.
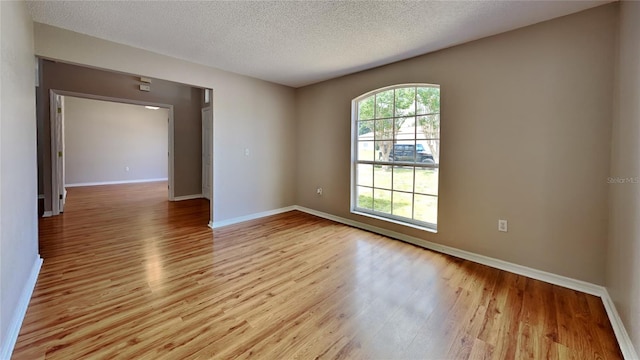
152,107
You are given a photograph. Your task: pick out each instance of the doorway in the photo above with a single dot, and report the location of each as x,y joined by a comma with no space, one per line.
59,151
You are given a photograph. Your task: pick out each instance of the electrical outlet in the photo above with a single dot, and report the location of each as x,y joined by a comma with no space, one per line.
126,168
319,191
247,152
502,225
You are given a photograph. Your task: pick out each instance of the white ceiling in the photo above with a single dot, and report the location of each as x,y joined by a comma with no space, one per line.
297,43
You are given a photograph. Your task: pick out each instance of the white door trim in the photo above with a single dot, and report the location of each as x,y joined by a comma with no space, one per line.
55,193
207,178
55,190
213,152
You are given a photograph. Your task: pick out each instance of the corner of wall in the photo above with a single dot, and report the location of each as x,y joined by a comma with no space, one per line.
623,246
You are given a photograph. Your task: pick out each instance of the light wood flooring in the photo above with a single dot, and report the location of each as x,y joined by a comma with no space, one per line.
128,275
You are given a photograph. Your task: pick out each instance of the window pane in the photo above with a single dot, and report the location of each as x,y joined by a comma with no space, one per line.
383,150
382,177
405,128
402,204
428,127
365,130
365,150
426,208
432,149
428,100
365,198
384,104
382,201
405,101
384,129
404,151
427,181
423,153
365,174
403,178
365,108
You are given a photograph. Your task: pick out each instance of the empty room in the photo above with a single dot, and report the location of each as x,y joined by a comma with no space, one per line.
320,180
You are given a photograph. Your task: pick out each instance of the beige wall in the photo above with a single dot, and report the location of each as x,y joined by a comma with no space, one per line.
623,260
248,113
104,138
18,196
526,119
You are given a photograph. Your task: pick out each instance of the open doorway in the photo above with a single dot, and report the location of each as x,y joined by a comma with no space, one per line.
101,141
186,102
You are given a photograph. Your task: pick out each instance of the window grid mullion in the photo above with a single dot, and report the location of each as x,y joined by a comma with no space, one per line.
393,143
415,134
373,173
426,114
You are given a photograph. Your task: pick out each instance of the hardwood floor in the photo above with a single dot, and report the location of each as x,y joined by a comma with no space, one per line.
128,275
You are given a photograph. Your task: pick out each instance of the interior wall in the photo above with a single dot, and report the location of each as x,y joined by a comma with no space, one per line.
186,110
114,142
525,129
248,114
18,195
623,252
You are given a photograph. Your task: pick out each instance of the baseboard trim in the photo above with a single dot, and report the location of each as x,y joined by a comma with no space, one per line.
21,311
624,341
219,224
188,197
99,183
47,214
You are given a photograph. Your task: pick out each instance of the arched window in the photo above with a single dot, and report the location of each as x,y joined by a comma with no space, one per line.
396,154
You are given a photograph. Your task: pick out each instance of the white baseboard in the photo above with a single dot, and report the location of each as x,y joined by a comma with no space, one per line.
115,182
188,197
624,341
11,336
626,346
47,214
218,224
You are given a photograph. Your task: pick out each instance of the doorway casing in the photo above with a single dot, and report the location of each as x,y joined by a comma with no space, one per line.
207,153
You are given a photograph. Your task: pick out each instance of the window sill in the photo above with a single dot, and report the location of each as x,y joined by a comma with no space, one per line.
398,222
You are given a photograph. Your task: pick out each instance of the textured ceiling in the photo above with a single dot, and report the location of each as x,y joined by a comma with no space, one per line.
296,43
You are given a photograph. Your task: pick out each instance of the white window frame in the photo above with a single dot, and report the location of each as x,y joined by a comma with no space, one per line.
422,225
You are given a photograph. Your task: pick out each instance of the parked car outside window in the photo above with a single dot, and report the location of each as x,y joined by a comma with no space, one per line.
409,153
